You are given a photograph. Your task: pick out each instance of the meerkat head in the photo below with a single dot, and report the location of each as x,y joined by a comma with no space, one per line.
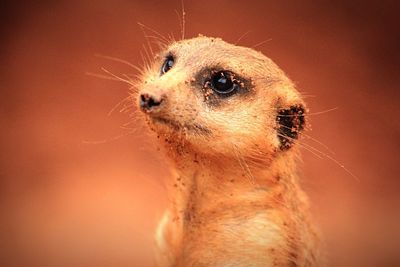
215,97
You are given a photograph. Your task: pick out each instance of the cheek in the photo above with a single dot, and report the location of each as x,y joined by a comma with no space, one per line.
236,128
239,122
247,129
183,105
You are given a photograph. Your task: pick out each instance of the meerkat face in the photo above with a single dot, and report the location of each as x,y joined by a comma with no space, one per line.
218,98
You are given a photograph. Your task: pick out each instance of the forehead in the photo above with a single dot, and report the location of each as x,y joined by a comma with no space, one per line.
201,52
203,45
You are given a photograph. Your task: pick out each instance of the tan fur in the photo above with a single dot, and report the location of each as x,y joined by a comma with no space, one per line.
235,198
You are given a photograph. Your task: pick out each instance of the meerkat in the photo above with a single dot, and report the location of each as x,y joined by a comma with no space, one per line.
228,119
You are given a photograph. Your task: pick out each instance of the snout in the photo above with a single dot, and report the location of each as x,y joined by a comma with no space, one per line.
151,103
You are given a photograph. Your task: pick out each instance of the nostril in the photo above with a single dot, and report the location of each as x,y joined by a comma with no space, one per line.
147,102
143,101
153,103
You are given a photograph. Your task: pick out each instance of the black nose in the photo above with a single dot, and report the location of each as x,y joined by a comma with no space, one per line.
148,102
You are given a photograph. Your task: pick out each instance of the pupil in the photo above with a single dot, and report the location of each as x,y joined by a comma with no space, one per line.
223,82
168,63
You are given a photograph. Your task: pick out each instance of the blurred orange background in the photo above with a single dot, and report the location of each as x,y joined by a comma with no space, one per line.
65,202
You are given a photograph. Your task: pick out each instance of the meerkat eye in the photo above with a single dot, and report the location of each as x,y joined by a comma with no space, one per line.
167,65
223,83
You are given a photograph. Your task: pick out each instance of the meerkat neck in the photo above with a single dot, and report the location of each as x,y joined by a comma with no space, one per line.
203,184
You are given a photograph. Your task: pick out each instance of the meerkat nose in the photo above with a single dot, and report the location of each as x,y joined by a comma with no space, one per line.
149,103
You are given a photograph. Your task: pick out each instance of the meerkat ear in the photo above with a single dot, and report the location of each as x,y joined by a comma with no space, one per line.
291,122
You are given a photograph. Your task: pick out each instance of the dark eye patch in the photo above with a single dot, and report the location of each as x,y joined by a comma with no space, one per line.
217,83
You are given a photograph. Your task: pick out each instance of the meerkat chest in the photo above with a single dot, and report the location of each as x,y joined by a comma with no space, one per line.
227,240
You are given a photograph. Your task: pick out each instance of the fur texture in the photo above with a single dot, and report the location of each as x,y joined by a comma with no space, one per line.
235,198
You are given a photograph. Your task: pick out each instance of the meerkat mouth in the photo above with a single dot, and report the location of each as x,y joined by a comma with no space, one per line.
195,128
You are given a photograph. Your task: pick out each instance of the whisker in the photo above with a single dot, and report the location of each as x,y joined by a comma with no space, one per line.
322,154
118,104
154,31
156,40
120,61
117,77
302,145
261,43
310,114
147,41
101,76
322,112
183,19
172,37
336,162
148,57
311,138
129,78
242,36
244,165
318,142
108,140
146,65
